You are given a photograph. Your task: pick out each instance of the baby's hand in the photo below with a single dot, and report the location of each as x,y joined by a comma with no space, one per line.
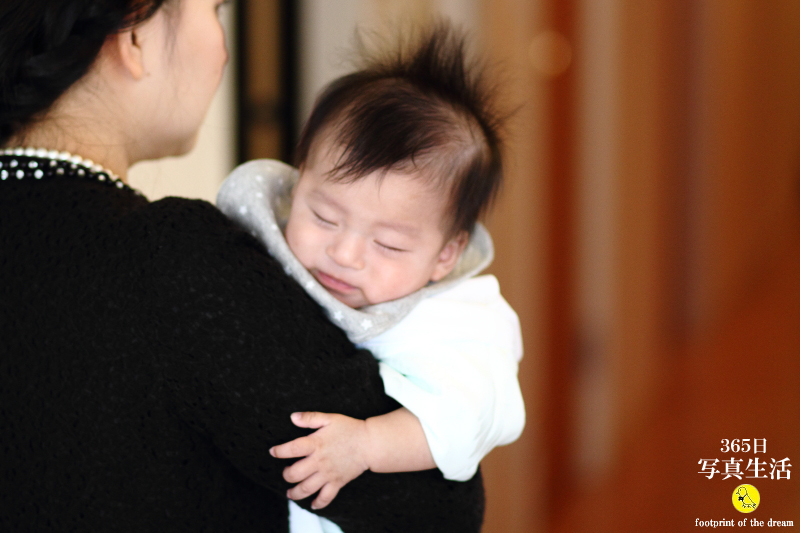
335,454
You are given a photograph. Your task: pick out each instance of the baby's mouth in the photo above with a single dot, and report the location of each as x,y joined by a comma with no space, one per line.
333,284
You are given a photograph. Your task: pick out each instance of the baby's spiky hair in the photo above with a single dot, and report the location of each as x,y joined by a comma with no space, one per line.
420,108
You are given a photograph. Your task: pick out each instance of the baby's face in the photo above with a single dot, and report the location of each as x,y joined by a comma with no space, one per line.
372,240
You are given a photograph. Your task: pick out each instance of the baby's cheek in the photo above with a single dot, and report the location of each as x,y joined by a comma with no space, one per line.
302,255
396,283
293,239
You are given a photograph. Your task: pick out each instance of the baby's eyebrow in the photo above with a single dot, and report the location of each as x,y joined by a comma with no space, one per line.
328,200
406,229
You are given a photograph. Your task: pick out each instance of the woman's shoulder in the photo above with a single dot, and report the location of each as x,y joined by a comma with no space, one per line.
191,226
193,238
184,215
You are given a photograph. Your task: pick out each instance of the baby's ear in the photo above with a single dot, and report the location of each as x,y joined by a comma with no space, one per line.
449,256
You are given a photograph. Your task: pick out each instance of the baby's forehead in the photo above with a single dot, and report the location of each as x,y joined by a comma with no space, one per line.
431,173
404,188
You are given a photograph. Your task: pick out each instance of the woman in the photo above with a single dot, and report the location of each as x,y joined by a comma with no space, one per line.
152,352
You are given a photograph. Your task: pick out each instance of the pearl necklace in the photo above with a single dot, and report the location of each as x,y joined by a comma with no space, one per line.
59,163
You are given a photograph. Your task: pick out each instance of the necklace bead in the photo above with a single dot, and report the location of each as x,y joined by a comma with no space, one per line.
56,163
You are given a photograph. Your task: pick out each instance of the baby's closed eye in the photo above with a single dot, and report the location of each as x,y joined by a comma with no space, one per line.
322,220
390,249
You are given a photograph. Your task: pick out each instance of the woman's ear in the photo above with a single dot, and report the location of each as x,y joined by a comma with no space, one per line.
126,48
449,256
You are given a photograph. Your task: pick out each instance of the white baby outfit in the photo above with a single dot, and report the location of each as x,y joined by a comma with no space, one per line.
448,353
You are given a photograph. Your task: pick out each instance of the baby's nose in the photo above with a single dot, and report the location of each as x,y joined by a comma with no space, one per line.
348,251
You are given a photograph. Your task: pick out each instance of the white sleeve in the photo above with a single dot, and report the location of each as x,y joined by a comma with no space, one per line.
453,363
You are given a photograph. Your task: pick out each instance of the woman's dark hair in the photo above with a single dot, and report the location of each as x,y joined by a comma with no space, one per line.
421,107
47,45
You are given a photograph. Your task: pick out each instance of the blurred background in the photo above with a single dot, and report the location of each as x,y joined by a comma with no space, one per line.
648,235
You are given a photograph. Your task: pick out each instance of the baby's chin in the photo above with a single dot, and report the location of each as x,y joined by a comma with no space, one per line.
349,302
359,301
354,301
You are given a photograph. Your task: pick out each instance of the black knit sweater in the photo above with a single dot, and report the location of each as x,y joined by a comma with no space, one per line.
150,355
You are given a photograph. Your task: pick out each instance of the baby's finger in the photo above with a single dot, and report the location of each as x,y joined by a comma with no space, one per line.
325,496
310,419
299,471
305,489
294,448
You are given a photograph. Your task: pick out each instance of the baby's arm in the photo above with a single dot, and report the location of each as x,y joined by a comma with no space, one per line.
453,364
342,448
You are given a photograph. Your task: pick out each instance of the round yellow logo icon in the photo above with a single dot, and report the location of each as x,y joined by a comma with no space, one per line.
746,498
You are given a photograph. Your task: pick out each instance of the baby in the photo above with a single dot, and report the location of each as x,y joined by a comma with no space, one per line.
397,162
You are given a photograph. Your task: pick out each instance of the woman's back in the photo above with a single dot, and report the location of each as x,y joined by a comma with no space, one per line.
85,374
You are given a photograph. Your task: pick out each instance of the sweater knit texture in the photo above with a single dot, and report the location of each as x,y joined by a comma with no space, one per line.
152,353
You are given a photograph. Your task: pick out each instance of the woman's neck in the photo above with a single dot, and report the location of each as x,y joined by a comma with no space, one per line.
79,123
77,138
